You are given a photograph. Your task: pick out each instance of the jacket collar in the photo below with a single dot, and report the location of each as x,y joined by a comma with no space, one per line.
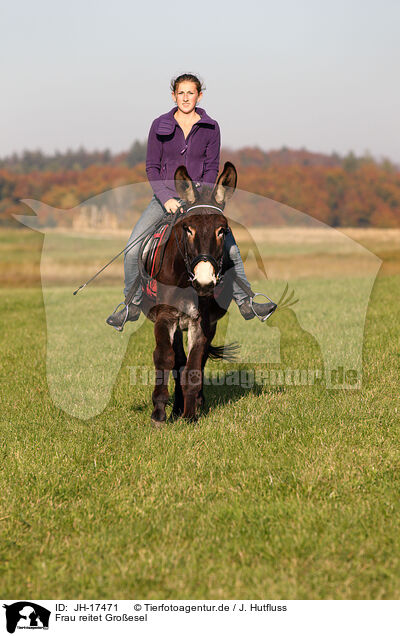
167,122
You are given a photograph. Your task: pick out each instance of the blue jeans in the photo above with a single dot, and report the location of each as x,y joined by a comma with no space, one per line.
152,215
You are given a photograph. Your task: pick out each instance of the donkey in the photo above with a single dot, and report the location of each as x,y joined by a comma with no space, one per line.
187,288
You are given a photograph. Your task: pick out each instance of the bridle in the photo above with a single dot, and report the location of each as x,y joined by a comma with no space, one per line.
191,264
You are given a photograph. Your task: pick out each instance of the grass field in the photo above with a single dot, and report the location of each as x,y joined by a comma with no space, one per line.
277,492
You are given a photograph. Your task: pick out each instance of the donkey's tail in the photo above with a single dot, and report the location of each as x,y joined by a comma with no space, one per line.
224,352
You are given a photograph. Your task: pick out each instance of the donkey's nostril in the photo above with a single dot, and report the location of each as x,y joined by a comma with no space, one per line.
203,290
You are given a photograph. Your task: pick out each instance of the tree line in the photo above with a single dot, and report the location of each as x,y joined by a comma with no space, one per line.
339,190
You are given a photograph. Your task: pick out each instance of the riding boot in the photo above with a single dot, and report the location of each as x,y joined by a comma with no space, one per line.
262,310
118,318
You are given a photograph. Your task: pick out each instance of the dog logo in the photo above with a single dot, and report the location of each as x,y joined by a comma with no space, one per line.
26,615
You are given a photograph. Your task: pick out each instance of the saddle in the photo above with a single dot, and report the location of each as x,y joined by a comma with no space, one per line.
152,245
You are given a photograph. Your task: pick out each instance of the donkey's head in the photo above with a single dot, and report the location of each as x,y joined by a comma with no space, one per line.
203,228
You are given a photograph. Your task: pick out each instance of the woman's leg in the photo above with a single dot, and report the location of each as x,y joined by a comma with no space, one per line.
264,310
149,219
234,254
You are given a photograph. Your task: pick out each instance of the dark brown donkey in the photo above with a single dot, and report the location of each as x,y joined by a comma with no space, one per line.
192,265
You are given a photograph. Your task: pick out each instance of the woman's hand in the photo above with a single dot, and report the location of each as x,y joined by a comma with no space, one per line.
171,205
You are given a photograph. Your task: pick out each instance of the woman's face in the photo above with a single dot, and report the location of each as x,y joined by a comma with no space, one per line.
186,97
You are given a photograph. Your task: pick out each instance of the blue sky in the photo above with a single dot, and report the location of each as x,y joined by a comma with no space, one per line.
316,74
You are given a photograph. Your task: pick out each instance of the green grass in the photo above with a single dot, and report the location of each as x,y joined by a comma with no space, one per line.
276,492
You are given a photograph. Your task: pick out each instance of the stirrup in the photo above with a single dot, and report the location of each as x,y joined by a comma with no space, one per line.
262,318
120,328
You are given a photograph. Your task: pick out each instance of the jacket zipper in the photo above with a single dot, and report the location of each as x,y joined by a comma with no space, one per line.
186,141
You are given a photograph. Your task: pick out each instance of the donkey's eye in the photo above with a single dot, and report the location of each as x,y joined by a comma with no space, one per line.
222,231
187,230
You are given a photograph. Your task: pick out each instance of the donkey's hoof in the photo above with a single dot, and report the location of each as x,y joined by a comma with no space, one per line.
158,423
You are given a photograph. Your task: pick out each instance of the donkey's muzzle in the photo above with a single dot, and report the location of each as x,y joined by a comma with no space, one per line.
203,290
204,277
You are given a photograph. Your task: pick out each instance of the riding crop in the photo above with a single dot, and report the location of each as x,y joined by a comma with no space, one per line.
125,250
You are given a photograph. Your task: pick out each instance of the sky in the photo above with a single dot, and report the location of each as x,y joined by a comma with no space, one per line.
318,74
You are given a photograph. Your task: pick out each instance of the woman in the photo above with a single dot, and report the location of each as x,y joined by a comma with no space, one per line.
184,135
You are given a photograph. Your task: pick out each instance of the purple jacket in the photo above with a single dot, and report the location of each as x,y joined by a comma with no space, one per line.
167,149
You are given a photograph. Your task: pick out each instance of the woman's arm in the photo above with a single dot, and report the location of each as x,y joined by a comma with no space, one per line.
211,164
153,165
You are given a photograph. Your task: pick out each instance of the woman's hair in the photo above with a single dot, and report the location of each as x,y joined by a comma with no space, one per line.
187,77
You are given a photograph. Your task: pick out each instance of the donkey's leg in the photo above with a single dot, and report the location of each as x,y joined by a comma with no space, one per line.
180,362
200,401
164,359
192,381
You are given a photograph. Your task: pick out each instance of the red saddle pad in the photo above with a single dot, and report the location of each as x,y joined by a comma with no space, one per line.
149,286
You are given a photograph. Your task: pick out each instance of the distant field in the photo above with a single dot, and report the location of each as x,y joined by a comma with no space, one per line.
278,491
285,251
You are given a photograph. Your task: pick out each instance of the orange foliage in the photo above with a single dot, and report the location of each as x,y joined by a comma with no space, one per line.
340,192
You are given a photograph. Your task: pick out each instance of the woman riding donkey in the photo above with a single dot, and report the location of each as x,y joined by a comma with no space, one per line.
185,135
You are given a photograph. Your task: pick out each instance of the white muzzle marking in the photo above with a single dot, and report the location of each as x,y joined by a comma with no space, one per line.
204,273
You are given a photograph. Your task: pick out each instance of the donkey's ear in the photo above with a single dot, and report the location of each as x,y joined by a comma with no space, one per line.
185,186
226,184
